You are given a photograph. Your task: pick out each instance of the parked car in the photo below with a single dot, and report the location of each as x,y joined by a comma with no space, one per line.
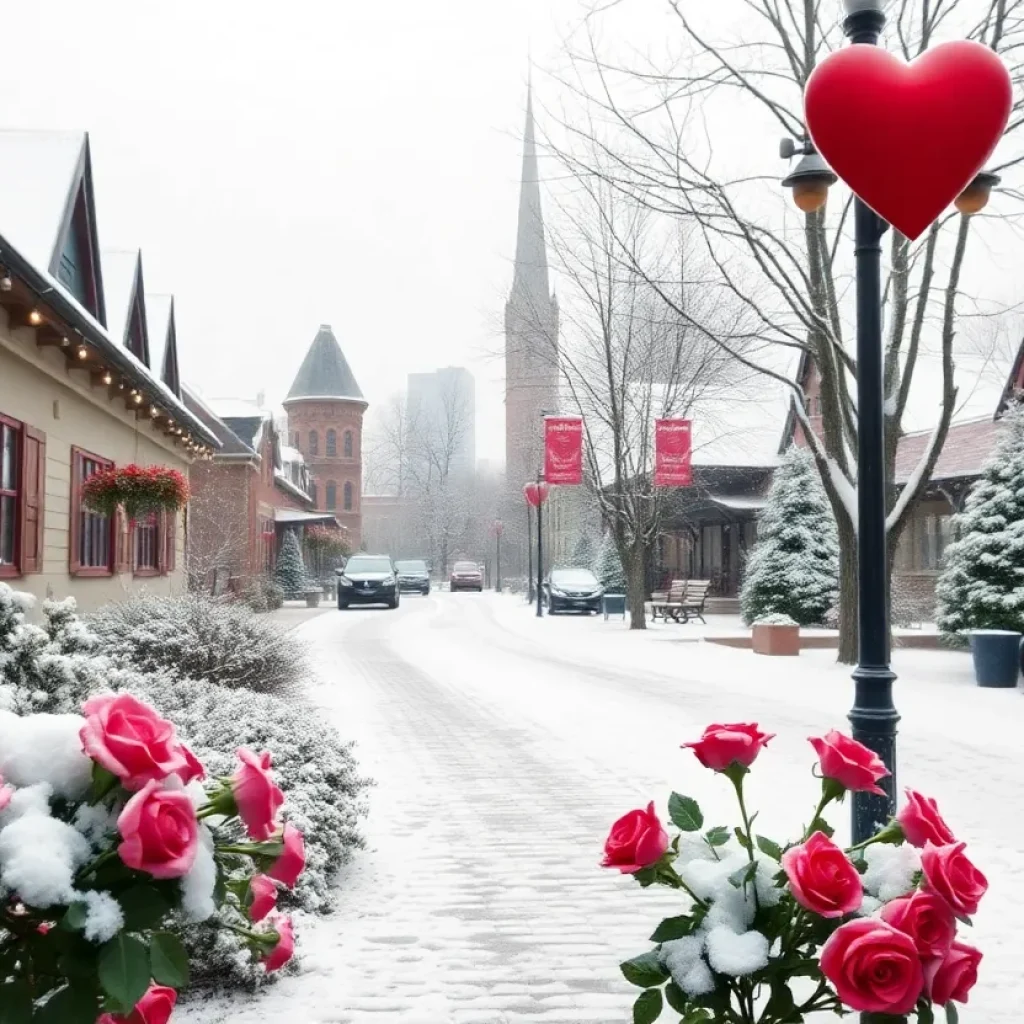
466,576
413,575
570,589
368,579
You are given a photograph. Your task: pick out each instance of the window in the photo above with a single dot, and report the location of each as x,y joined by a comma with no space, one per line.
332,495
332,443
312,492
265,554
22,482
93,536
348,444
75,267
295,440
314,443
147,545
923,543
348,495
10,437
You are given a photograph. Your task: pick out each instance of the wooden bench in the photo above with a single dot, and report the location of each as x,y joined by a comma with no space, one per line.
684,601
666,605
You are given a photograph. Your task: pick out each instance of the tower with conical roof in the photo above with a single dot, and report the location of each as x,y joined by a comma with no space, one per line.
325,422
531,329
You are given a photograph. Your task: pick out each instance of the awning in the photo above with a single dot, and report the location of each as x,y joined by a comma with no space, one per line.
291,515
739,503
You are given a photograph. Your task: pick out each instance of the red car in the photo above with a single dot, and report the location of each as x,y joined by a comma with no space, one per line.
466,576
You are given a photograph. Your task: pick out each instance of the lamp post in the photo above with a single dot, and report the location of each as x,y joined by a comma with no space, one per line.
536,494
873,716
499,529
529,552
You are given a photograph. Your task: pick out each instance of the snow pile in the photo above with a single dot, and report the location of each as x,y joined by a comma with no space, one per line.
891,871
197,887
103,916
44,748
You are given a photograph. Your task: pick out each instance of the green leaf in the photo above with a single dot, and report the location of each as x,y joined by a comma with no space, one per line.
952,1013
925,1013
821,825
768,848
744,875
647,1007
124,970
673,928
15,1003
741,838
718,836
144,908
78,961
685,813
169,960
644,971
71,1005
675,997
74,918
103,782
781,1003
697,1015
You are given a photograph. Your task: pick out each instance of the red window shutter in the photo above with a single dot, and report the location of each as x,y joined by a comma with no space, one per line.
170,538
123,538
75,514
33,501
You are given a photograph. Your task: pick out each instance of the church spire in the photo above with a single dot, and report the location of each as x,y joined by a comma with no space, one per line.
531,270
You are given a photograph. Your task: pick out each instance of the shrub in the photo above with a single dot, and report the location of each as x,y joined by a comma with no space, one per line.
262,594
291,572
608,566
200,638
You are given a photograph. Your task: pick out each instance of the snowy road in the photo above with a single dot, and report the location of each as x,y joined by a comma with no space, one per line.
503,748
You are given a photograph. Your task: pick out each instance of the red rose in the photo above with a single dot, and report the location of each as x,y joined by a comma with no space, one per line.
949,873
159,832
130,740
954,976
821,877
193,768
637,840
257,797
723,745
874,967
155,1007
287,868
921,822
263,893
281,952
926,919
849,763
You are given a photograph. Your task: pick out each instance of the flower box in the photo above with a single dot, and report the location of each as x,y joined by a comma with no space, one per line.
313,598
138,490
776,640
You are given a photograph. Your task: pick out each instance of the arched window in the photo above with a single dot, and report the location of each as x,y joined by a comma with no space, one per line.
348,444
332,442
348,495
332,495
314,443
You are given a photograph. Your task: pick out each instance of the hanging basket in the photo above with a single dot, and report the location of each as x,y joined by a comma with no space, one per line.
138,490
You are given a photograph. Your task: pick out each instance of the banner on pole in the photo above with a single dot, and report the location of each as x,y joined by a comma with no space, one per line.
563,449
672,451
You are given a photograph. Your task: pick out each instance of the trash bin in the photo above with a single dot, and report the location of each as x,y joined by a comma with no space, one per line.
996,654
613,604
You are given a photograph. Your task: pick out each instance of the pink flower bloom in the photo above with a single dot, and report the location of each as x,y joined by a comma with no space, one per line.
155,1007
949,873
264,897
921,822
282,952
926,918
287,868
193,768
821,877
724,745
849,763
636,841
6,792
159,832
257,797
953,976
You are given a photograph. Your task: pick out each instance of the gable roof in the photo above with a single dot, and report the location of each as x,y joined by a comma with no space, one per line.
163,340
230,442
325,372
123,288
966,450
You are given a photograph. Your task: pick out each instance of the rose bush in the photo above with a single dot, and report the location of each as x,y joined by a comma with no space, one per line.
110,846
778,934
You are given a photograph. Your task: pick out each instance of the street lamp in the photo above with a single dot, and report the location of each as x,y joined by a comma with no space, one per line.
536,494
811,179
498,528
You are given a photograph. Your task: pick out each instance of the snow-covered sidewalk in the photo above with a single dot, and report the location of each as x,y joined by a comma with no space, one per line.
503,747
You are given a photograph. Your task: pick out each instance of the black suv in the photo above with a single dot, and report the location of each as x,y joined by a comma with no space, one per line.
368,579
414,576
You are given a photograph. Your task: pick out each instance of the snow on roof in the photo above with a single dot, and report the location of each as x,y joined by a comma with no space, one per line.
290,454
743,431
37,169
118,267
236,408
158,322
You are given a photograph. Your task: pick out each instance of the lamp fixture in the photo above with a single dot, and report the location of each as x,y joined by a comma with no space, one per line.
811,179
65,342
83,352
154,411
975,197
137,398
107,378
120,385
6,284
35,318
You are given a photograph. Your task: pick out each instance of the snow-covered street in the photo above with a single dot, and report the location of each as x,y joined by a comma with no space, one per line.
503,747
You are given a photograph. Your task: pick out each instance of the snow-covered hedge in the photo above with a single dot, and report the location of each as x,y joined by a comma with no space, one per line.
199,638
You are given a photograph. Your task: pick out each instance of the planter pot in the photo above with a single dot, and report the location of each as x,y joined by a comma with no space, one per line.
776,640
313,599
996,654
613,604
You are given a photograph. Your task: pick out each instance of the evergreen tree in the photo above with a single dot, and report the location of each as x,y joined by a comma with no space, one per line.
290,572
794,567
608,566
583,553
982,585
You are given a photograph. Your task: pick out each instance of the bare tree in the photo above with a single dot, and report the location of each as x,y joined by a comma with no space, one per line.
217,525
653,130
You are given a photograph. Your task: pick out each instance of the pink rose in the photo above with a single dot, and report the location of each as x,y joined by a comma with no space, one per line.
257,797
954,976
159,832
6,792
276,957
193,768
263,891
155,1007
926,919
921,822
287,868
821,877
873,967
723,745
849,763
130,740
637,840
949,873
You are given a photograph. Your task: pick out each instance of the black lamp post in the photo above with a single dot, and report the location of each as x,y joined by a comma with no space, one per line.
499,529
529,554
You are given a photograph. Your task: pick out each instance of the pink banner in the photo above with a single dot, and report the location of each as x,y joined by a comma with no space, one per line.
563,450
672,453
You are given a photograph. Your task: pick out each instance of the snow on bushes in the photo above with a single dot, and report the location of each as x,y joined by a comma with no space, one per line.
608,566
199,638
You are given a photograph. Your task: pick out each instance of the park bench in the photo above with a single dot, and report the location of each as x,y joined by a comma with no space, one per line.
684,601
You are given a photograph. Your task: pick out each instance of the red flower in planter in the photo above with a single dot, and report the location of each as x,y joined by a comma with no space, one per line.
136,489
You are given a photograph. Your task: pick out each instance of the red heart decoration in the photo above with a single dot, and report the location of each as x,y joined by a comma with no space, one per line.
908,138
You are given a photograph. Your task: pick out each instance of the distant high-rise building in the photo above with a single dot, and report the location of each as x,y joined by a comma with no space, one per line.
441,420
531,329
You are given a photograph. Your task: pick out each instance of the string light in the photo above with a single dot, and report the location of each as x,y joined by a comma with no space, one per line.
83,352
120,385
35,318
154,411
6,284
107,378
65,342
137,398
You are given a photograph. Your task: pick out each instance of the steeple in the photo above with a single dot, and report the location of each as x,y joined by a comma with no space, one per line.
325,372
531,268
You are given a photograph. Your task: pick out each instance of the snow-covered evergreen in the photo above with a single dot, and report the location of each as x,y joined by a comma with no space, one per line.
794,567
608,566
290,573
982,586
583,552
